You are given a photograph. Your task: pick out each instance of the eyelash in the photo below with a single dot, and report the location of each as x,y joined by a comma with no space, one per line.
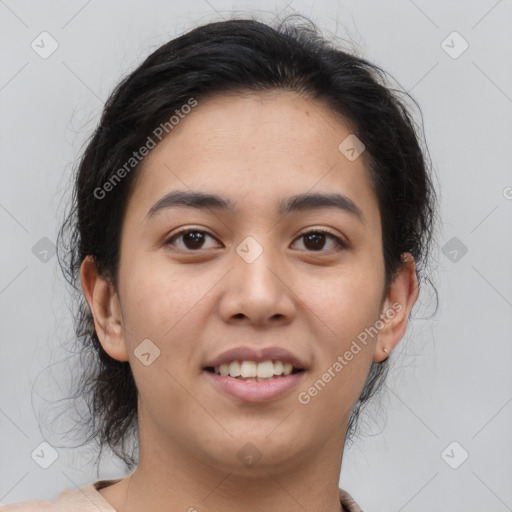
341,245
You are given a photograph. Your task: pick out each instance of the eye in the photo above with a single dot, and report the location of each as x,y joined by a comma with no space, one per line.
193,239
315,240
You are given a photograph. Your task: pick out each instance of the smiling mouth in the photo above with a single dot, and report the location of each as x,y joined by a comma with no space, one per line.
251,371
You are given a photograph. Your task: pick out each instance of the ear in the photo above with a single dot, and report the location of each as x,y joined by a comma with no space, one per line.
397,305
105,308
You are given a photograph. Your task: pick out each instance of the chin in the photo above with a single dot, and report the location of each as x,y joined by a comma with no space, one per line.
255,453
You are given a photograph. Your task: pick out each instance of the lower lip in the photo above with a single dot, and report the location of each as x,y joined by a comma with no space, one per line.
263,391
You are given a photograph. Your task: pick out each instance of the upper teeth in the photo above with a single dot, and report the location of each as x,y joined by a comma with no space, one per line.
248,369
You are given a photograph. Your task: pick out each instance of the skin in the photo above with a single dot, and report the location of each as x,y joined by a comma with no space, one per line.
255,149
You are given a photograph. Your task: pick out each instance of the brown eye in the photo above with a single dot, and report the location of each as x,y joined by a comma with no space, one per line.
192,239
313,241
316,240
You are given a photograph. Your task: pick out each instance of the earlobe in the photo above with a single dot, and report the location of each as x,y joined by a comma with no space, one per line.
401,297
105,308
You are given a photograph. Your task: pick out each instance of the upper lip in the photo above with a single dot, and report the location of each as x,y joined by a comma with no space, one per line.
257,355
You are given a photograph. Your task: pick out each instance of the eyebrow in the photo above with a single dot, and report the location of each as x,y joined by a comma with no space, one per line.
300,202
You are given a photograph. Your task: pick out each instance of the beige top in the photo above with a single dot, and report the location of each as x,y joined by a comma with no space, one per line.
88,499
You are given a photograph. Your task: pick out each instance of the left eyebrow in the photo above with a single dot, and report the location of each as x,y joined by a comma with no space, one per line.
299,202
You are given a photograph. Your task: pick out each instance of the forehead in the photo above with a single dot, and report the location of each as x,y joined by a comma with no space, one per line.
256,148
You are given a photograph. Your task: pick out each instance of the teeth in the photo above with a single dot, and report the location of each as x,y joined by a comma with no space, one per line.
265,370
234,369
248,369
252,371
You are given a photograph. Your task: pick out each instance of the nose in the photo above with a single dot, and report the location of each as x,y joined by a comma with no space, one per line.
258,290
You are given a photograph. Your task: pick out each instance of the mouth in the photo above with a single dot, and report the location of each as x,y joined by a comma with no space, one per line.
253,371
255,376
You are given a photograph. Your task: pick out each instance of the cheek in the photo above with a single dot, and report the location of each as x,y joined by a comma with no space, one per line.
159,301
344,302
346,351
166,308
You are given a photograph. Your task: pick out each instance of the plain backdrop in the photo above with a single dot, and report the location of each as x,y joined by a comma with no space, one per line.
439,436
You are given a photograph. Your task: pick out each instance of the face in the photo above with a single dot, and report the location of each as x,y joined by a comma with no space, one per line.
251,281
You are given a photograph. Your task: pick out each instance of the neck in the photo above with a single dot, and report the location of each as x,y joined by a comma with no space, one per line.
181,481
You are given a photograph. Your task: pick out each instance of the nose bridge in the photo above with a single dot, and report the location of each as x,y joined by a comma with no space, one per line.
255,288
255,263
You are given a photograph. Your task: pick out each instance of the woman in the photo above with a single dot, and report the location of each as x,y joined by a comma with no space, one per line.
249,228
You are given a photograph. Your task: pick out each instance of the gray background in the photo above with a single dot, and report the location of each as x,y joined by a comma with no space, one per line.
451,379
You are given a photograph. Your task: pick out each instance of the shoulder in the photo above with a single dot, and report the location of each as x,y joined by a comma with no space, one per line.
27,506
348,503
88,499
84,499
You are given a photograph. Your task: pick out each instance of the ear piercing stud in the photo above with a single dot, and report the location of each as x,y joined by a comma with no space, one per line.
386,350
